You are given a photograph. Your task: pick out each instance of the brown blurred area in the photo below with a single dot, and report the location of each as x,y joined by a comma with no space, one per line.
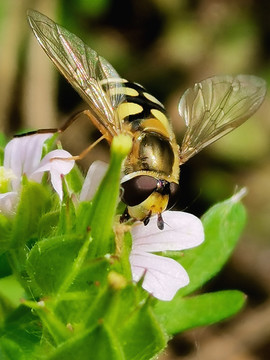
166,46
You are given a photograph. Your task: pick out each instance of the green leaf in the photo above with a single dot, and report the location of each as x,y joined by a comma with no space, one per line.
98,344
20,336
223,225
48,224
10,350
74,180
34,201
5,233
67,218
10,294
141,335
182,314
50,260
119,328
5,268
11,289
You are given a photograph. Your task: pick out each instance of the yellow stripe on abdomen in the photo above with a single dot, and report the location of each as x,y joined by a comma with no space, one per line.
128,108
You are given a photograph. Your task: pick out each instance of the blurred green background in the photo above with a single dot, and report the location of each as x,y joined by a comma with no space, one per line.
166,45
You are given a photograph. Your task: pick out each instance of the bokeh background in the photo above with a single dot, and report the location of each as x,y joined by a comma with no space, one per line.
166,45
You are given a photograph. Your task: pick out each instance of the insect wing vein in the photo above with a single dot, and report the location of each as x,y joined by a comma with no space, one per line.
216,106
81,66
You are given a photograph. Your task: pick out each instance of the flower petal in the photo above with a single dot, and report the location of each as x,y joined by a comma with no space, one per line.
181,231
55,163
23,154
56,180
8,201
92,180
56,160
163,276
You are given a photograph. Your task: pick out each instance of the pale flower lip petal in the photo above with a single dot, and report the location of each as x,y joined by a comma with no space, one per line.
61,165
23,157
56,167
56,180
93,179
182,231
33,151
23,154
163,276
12,158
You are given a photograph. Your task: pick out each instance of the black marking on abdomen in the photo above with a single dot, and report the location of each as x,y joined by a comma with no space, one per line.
144,102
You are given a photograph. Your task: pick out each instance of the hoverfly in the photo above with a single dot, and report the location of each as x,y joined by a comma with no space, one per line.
210,109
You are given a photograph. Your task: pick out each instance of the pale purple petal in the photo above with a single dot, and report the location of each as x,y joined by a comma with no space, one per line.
181,231
56,180
56,160
23,154
8,201
57,163
92,180
163,276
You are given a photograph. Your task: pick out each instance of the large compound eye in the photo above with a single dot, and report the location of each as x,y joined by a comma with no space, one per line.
137,189
174,188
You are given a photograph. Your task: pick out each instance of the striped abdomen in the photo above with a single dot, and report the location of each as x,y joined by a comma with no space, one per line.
154,145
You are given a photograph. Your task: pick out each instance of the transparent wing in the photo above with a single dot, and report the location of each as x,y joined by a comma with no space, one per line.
216,106
90,74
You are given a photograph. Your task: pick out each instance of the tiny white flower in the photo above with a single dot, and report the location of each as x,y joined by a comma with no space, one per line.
162,276
22,156
55,163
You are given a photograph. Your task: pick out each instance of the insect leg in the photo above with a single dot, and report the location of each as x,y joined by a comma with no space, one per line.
60,130
86,151
125,216
83,153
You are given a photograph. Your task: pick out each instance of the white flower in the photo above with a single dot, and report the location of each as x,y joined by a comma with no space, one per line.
57,167
23,157
162,276
93,179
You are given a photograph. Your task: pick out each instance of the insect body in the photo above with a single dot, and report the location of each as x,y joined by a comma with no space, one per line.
151,171
211,109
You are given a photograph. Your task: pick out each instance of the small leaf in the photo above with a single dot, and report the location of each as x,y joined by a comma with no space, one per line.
74,180
10,350
100,342
223,224
11,289
5,268
142,337
5,233
34,201
50,260
67,218
182,314
21,335
48,224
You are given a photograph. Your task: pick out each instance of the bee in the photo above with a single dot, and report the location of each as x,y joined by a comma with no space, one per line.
211,109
